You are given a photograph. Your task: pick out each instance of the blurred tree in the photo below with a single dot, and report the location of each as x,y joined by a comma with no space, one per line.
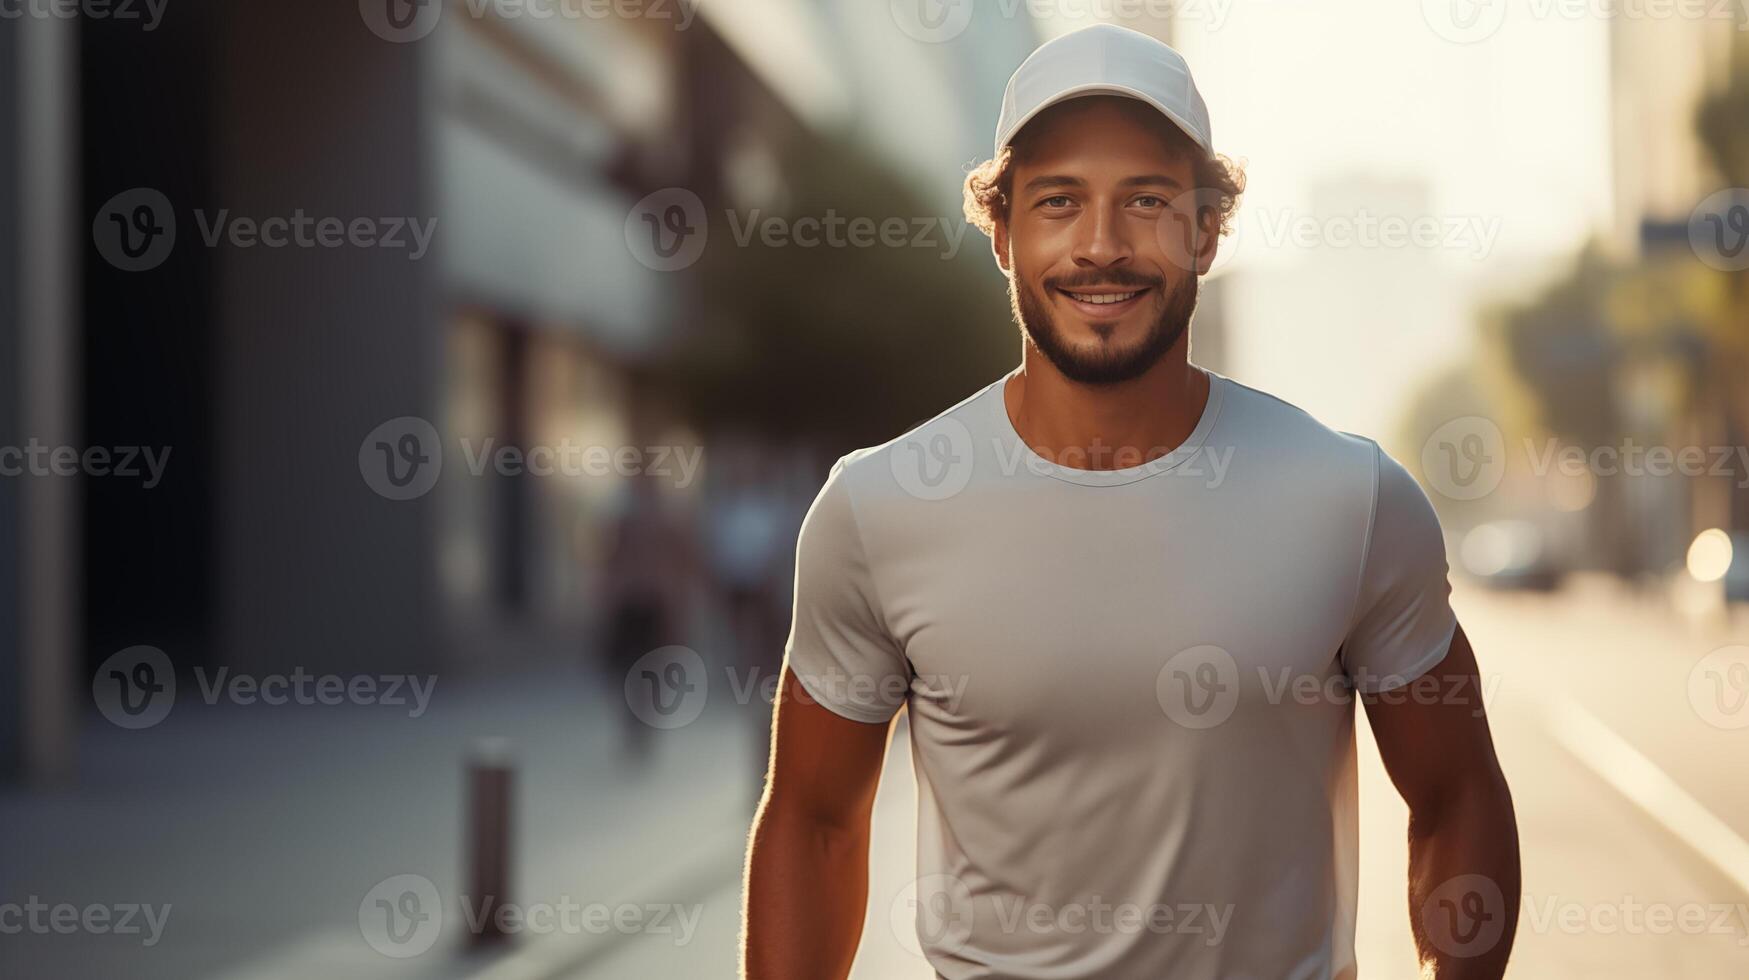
849,344
1564,348
1722,122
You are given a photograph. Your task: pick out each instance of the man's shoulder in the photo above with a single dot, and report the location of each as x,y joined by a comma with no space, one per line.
1290,435
947,438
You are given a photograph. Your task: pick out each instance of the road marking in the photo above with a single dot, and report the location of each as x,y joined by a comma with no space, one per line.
1638,778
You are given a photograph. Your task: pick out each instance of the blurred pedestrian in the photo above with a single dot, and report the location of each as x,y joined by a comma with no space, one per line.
645,594
747,539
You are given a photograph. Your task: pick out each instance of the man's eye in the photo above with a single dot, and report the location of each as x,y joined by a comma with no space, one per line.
1150,201
1055,201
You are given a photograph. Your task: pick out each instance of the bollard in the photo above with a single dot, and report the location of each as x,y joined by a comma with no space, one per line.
489,818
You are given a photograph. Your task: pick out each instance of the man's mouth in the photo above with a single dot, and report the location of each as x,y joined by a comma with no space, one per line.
1102,302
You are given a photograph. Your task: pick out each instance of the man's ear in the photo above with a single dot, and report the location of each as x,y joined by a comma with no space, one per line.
1208,239
999,245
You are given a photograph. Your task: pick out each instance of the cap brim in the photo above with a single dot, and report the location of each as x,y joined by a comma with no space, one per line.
1104,88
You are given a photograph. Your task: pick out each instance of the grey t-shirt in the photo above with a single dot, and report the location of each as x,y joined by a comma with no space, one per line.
1130,690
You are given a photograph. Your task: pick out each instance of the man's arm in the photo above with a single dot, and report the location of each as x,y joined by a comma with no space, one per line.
1463,838
807,862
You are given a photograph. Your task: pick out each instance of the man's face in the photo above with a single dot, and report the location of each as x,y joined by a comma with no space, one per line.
1101,243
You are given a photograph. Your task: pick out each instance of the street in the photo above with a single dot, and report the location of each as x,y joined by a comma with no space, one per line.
1624,877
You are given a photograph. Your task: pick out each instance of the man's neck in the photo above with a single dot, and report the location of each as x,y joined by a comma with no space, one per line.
1105,427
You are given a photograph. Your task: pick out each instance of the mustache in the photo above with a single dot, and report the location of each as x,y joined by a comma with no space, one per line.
1112,277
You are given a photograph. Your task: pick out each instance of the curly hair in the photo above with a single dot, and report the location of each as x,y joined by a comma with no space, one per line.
1219,182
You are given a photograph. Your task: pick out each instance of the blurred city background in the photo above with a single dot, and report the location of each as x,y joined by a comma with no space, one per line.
407,409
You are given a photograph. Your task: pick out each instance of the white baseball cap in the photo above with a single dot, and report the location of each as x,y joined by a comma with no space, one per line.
1104,59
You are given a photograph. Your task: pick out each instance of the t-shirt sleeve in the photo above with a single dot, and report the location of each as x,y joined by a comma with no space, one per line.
839,646
1403,622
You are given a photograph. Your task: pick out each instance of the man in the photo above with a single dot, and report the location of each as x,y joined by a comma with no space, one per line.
1127,602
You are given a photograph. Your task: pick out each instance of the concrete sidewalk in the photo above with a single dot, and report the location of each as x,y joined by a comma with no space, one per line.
268,831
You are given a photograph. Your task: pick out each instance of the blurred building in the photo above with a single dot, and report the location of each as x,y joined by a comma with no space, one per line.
525,143
39,309
1660,67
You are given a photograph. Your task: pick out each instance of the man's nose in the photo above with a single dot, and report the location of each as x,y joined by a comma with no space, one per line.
1101,240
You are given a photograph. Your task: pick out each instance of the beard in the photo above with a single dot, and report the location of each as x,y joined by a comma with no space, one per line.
1105,364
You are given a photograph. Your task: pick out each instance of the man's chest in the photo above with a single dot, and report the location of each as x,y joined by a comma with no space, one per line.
1137,609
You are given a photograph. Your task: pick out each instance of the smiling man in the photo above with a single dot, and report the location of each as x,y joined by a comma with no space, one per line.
1131,685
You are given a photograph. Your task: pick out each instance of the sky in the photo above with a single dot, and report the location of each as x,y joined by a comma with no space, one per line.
1497,148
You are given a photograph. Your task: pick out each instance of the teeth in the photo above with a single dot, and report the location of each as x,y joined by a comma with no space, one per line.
1104,298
